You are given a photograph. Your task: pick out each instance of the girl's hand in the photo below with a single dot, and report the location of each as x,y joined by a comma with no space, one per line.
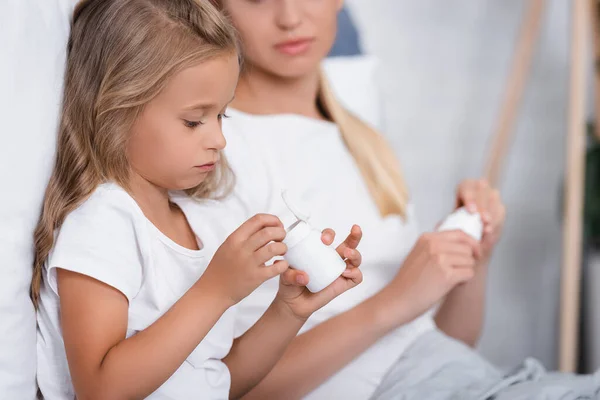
479,196
238,266
299,300
437,263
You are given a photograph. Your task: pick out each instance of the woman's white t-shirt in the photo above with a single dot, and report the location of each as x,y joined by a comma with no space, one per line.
309,157
109,239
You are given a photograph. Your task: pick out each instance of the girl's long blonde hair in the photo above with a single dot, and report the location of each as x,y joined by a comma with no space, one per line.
373,155
121,54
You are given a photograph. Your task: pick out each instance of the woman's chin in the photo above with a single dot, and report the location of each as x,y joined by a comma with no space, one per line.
293,68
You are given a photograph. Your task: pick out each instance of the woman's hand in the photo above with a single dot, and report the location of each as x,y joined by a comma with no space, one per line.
238,266
299,300
437,263
479,196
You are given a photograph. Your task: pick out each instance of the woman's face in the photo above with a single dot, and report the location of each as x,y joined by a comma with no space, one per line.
286,38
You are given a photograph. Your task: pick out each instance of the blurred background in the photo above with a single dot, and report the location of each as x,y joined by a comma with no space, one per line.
442,75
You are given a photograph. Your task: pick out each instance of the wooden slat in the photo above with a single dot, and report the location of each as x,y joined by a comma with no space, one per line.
575,164
521,63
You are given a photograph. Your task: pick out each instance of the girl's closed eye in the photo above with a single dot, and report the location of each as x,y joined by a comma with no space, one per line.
223,115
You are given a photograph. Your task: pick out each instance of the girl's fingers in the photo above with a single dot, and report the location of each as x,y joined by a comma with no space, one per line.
353,258
279,267
293,277
264,236
352,241
268,251
327,236
354,274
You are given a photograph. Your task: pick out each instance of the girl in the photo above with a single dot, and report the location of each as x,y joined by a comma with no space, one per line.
288,129
134,298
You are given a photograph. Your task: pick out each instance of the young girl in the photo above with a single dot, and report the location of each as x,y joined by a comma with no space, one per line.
134,298
287,129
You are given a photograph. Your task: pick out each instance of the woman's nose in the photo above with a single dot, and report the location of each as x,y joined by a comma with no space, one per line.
288,15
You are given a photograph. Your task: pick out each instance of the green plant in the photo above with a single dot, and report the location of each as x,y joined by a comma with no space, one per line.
592,189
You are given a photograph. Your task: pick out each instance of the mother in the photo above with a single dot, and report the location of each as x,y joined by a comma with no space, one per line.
288,130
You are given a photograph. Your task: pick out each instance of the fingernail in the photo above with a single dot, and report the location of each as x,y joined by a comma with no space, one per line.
300,280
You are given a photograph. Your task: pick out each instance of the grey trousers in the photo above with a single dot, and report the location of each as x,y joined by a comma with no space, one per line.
437,367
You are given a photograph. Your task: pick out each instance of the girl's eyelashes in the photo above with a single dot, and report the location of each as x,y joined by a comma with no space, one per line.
192,124
195,124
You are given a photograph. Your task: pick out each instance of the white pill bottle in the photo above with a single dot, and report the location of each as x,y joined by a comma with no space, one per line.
465,221
306,251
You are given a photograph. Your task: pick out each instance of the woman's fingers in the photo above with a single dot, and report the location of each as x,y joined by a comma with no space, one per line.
452,241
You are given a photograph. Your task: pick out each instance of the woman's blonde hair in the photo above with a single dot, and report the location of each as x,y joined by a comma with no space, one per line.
373,155
121,54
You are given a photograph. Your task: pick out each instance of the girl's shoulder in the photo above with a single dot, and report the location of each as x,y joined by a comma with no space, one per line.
106,238
108,213
108,200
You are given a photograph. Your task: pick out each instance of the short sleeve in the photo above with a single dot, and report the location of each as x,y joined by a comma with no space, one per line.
103,239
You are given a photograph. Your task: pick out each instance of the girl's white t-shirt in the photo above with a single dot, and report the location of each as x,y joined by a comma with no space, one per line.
109,239
308,157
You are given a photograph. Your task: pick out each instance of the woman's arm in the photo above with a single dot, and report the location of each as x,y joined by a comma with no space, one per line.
105,365
429,272
314,356
461,314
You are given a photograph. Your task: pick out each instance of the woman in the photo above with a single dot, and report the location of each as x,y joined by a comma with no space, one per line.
287,130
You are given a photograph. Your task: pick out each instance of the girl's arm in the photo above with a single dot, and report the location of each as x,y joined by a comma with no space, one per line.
254,354
105,365
94,316
263,344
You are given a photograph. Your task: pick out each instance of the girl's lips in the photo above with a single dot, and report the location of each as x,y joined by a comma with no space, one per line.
206,167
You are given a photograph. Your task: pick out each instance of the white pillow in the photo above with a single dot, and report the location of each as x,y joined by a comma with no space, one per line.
33,41
353,80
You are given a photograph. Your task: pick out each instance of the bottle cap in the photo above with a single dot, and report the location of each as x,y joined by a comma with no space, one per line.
292,205
296,233
293,213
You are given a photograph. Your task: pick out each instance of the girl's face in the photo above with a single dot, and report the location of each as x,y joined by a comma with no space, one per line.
175,141
286,38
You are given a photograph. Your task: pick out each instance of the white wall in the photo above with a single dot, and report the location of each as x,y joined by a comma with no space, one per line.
444,66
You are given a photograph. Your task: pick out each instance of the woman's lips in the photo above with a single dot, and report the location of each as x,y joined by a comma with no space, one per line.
294,47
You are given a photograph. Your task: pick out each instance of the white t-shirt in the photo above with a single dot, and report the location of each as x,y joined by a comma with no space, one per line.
309,157
109,239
